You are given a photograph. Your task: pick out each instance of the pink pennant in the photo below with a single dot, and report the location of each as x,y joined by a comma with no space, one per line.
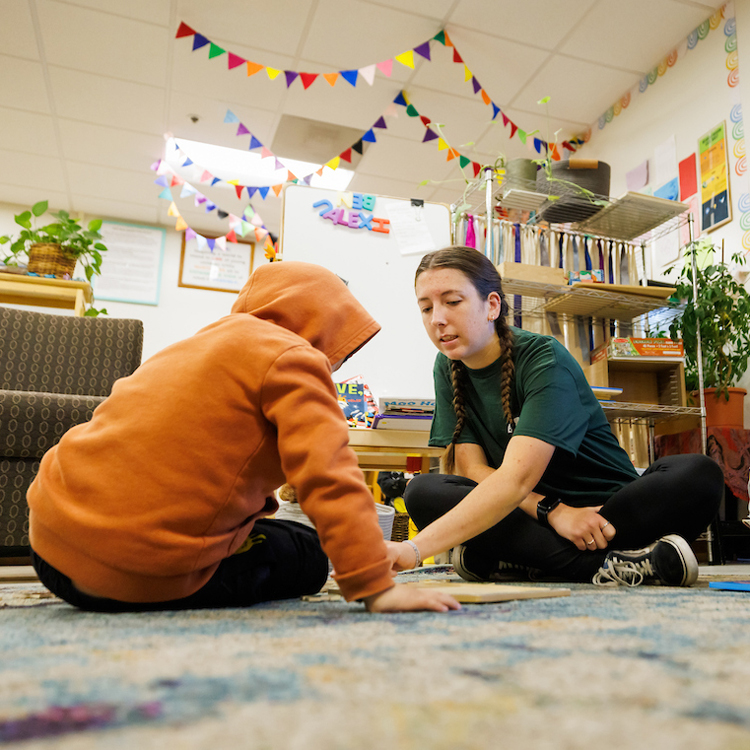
385,67
190,234
206,176
264,153
234,61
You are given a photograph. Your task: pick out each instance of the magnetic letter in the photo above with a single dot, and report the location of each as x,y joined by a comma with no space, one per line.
357,201
326,204
354,220
365,222
368,202
345,199
381,225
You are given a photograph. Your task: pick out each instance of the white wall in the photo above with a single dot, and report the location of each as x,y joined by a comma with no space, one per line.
690,98
180,312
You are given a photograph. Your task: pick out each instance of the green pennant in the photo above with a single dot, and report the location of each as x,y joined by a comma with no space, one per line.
522,135
440,37
411,111
215,51
463,160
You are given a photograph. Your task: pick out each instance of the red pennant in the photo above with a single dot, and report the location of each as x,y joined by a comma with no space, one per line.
234,61
456,57
231,236
425,120
513,128
477,167
555,153
308,79
346,155
238,189
184,30
505,119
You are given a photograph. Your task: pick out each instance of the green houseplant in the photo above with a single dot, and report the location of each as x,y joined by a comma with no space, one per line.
55,248
721,305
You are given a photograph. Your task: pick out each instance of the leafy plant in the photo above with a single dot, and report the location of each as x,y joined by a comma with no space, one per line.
721,305
29,233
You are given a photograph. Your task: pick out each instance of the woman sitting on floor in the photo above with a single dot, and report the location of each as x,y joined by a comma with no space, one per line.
535,482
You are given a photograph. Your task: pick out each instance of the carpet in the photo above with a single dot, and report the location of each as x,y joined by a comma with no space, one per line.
616,668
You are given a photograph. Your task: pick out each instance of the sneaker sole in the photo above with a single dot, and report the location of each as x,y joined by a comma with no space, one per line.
690,562
457,558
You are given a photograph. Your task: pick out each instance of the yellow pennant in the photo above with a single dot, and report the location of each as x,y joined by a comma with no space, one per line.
181,224
334,163
233,182
272,73
442,145
173,210
467,74
406,58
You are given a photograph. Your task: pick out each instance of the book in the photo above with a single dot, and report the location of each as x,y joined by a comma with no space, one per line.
481,593
730,585
421,422
352,401
393,405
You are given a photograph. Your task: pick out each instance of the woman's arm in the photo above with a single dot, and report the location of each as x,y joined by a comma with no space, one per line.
495,496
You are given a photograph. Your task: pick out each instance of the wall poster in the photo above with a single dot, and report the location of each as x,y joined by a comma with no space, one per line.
217,269
716,209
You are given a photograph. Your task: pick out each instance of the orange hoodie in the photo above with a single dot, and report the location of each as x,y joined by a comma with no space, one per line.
167,479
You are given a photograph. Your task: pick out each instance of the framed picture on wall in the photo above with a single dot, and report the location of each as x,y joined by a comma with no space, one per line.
716,205
207,265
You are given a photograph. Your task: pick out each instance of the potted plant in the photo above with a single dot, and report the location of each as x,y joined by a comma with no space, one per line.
55,248
721,305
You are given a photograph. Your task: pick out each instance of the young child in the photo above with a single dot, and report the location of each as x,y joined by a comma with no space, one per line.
534,479
159,501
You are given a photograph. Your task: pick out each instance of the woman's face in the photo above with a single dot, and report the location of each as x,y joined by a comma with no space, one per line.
458,321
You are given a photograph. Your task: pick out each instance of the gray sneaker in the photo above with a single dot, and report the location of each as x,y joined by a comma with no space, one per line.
669,561
476,571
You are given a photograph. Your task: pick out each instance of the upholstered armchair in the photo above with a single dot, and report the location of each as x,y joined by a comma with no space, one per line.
54,371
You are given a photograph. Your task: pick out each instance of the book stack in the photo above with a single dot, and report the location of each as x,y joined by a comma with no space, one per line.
404,414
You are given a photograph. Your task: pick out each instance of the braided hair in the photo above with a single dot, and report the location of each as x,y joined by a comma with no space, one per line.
484,277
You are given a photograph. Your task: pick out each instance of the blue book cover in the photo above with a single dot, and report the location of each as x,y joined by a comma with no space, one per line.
730,585
352,401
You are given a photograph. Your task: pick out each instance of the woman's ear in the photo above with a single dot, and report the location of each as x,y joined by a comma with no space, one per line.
494,306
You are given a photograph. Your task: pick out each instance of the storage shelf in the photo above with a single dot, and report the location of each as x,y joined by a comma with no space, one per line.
661,412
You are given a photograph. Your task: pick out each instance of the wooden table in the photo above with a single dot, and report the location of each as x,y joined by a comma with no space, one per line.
38,291
389,449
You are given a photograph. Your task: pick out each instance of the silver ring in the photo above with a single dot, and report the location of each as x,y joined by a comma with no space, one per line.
591,542
605,526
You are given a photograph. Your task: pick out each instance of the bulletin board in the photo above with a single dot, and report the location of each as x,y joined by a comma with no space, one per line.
207,265
131,267
379,268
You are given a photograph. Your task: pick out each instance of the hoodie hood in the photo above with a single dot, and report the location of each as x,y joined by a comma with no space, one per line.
310,301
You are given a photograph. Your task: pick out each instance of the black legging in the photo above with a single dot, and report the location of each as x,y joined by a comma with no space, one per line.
675,495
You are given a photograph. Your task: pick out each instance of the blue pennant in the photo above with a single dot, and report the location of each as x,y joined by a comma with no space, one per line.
400,99
254,143
263,192
369,136
350,75
231,117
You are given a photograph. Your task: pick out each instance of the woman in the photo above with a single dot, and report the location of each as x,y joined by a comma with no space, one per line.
534,479
160,501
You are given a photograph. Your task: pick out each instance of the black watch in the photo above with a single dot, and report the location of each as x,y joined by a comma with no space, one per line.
544,507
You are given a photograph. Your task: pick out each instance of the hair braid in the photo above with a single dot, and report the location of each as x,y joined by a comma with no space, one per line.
448,459
508,371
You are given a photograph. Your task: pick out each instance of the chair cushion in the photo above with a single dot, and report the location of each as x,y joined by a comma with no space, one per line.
31,423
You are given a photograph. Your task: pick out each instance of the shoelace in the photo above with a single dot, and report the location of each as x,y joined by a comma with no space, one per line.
620,573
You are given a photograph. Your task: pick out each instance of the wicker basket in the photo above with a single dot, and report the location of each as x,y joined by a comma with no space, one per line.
48,258
400,531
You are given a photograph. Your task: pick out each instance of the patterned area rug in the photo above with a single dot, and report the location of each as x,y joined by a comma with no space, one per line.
616,668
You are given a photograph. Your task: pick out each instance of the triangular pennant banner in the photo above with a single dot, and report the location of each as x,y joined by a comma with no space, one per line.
290,76
222,242
424,50
210,207
495,110
475,84
538,145
307,179
184,30
463,160
400,99
278,164
263,192
486,98
242,130
380,123
265,153
206,176
231,236
211,244
251,191
440,37
452,154
253,68
456,57
442,145
166,194
214,51
368,73
222,214
346,155
521,133
350,76
199,41
369,136
254,143
187,162
358,147
190,234
238,189
215,180
173,210
272,73
429,135
308,79
163,181
231,117
234,61
180,224
411,110
406,58
448,42
390,110
467,74
277,189
425,120
331,78
187,190
506,120
333,163
201,240
477,167
385,67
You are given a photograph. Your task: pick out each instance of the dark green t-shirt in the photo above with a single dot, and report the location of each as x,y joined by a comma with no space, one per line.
552,402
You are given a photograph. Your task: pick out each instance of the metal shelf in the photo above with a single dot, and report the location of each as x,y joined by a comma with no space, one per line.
660,412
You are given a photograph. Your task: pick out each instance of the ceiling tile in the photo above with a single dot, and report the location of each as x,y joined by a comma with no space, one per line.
29,132
585,101
17,36
541,23
434,9
633,35
93,42
91,180
22,198
22,85
33,171
105,101
101,208
110,147
362,34
150,11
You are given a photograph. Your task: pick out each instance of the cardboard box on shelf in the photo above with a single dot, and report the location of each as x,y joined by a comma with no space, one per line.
529,272
638,347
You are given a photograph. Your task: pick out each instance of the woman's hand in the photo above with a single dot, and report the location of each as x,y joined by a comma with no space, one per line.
402,556
582,526
410,599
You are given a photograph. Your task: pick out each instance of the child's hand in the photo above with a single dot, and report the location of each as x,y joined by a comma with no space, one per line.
410,599
402,556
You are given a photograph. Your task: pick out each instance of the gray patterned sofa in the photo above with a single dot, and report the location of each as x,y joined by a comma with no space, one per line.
54,371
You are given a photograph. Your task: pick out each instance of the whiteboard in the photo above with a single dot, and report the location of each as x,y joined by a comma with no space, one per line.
379,268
